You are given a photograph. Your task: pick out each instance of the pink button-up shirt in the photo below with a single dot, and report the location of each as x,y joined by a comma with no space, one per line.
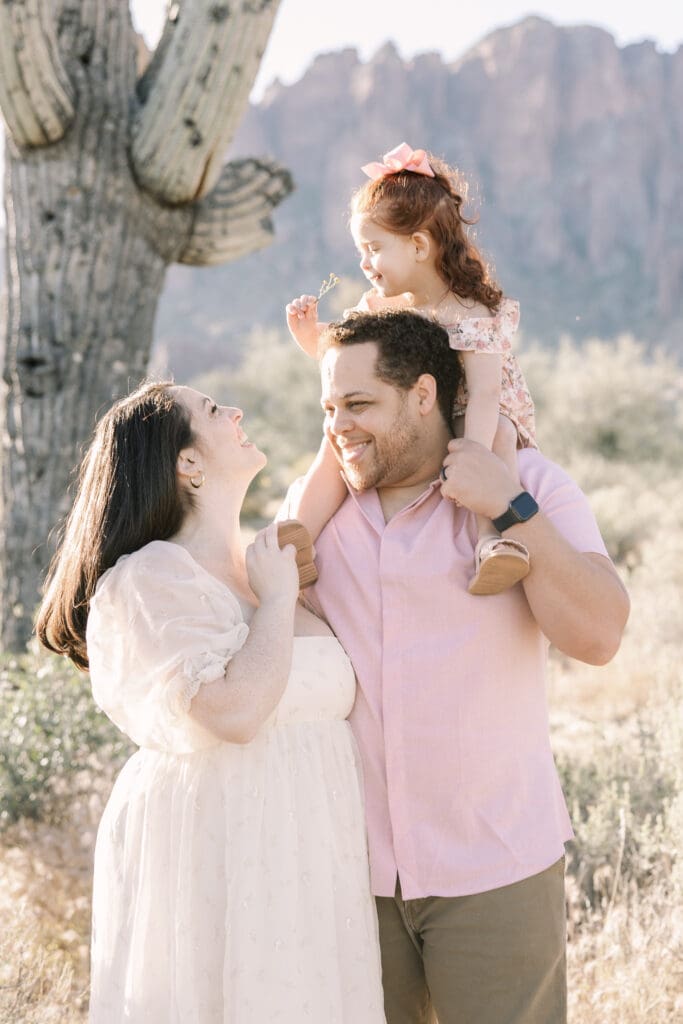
462,795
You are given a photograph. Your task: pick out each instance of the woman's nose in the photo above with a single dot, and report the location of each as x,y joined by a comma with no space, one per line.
235,414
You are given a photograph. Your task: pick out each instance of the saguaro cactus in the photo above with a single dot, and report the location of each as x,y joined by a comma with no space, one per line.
109,178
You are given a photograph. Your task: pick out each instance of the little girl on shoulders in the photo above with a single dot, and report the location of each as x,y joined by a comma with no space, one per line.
410,232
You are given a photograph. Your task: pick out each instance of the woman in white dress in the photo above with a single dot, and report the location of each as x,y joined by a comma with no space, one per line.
231,879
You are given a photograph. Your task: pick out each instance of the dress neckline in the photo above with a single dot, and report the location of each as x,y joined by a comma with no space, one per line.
226,588
202,569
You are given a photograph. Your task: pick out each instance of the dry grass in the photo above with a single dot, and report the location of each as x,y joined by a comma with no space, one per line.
628,967
621,729
56,747
45,878
45,909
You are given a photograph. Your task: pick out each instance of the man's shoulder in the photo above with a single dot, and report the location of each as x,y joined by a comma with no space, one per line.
549,483
351,503
536,468
561,499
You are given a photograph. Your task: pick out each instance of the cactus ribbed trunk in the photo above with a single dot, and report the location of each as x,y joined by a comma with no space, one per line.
88,245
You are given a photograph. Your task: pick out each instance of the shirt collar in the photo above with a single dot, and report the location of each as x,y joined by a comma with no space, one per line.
371,508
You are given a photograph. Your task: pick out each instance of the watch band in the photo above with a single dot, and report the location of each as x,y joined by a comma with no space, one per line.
520,510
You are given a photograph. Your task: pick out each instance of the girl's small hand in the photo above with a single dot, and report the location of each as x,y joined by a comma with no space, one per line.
303,308
302,321
272,572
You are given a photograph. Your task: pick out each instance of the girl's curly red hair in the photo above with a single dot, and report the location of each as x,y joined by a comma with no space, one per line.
405,202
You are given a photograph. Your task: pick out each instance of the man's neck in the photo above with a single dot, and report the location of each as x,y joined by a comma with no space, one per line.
395,496
394,499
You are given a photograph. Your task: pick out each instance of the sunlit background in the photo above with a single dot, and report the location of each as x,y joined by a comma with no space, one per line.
304,28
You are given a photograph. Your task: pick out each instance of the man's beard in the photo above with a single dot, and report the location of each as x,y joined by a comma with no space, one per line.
393,457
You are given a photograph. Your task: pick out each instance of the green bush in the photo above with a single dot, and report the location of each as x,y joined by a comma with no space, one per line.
54,742
607,400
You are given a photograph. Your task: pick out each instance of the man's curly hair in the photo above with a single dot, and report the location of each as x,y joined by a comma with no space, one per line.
408,345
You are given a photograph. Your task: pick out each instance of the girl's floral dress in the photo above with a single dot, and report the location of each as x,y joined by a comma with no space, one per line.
494,334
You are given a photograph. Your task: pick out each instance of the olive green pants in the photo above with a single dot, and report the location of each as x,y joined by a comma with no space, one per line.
497,957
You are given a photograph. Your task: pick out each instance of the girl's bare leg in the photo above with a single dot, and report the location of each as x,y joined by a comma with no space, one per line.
499,569
505,447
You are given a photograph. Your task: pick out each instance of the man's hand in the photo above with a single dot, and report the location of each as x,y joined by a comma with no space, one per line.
477,479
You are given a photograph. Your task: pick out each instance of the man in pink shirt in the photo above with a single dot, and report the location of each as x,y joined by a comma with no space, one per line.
466,819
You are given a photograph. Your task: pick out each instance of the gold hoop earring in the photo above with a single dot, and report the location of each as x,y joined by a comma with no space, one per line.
194,483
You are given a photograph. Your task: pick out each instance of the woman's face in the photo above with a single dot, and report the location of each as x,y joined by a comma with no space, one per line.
222,445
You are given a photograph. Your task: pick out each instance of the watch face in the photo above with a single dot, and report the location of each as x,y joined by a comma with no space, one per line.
524,506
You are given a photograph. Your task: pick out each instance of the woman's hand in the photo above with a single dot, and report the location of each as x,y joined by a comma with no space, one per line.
272,572
235,706
302,321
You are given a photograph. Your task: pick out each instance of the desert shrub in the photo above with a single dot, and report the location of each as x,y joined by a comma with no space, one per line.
627,970
609,400
625,869
38,980
54,742
622,789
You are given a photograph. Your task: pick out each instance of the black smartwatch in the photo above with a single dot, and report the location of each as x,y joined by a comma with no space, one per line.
520,509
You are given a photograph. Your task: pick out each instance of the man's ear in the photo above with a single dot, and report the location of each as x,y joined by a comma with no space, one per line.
425,392
188,462
423,243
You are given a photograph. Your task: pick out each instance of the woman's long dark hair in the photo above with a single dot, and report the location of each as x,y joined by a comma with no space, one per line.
127,496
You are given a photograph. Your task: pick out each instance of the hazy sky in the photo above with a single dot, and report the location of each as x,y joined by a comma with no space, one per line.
301,31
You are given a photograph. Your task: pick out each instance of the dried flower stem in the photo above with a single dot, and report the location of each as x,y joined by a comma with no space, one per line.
328,284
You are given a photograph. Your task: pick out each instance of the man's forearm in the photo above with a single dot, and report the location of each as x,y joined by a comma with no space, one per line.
576,597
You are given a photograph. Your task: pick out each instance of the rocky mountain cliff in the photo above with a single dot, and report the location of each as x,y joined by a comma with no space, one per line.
574,151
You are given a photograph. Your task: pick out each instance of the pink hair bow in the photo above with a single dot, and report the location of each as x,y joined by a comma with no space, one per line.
402,158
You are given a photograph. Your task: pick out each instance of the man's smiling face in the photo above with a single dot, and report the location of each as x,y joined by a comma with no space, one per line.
371,425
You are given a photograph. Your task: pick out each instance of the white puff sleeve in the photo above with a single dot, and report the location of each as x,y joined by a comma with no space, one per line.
159,627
